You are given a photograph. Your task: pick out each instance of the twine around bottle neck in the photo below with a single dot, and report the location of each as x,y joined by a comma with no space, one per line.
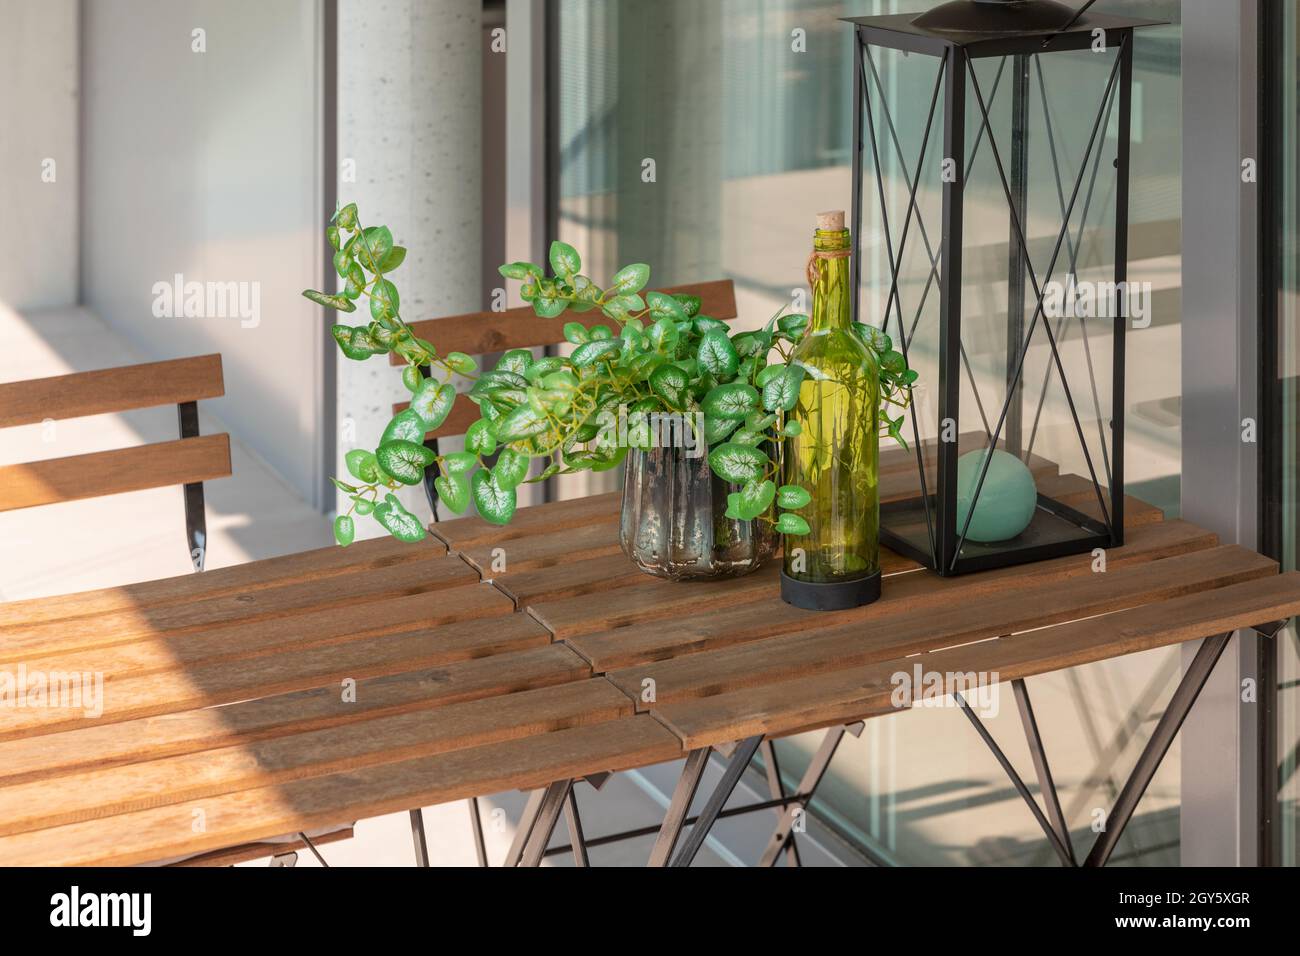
812,271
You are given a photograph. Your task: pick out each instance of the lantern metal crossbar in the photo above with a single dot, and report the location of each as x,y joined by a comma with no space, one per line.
925,524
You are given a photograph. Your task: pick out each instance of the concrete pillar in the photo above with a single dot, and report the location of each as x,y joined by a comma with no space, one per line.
409,124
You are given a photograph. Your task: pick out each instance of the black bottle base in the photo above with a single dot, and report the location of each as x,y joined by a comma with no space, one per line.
834,596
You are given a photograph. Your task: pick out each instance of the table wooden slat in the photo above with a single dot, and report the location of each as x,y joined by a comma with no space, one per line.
430,574
279,760
297,668
599,539
374,554
164,833
1078,492
780,658
653,599
906,594
98,744
615,575
470,613
865,691
571,579
247,852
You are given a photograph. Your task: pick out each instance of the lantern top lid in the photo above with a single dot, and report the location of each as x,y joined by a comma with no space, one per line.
998,23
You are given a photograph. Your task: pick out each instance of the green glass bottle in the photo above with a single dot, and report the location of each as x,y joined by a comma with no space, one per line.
835,455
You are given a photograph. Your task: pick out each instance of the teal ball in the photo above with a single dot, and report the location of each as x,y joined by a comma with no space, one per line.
1006,499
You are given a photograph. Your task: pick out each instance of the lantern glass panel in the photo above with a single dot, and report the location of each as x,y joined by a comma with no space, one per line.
901,232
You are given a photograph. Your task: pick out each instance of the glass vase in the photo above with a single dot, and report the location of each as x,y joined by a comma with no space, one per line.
673,523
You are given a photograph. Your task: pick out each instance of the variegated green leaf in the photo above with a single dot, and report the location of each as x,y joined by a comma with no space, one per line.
361,464
594,351
755,498
344,530
458,463
404,460
481,438
790,523
565,261
738,463
453,491
401,524
433,402
718,356
406,425
792,497
782,391
524,422
629,279
670,383
511,469
734,400
494,503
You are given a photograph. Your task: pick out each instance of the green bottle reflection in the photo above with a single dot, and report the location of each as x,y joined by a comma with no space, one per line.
835,455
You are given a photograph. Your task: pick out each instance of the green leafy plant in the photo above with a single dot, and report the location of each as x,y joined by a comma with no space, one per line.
896,380
658,358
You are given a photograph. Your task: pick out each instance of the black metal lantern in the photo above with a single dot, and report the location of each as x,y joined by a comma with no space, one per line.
994,119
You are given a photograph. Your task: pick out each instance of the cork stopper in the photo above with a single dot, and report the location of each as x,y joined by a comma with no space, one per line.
832,221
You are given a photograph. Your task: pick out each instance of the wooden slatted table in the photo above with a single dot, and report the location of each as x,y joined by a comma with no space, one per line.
304,693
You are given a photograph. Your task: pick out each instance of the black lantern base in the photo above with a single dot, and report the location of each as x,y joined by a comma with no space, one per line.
831,596
1056,531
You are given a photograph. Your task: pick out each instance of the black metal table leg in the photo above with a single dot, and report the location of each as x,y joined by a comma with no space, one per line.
776,789
1046,785
812,777
1189,688
1019,784
314,852
1171,721
731,776
553,800
476,823
680,805
418,837
574,823
525,829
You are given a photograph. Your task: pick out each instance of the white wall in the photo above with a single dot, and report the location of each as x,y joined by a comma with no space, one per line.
38,122
208,164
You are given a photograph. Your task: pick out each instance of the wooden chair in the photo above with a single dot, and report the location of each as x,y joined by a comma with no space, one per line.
190,460
482,333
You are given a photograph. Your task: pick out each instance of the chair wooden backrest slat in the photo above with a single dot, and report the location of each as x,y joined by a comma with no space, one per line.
159,465
481,333
189,461
111,390
484,332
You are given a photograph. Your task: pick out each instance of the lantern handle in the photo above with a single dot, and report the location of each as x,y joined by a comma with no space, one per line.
1071,22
